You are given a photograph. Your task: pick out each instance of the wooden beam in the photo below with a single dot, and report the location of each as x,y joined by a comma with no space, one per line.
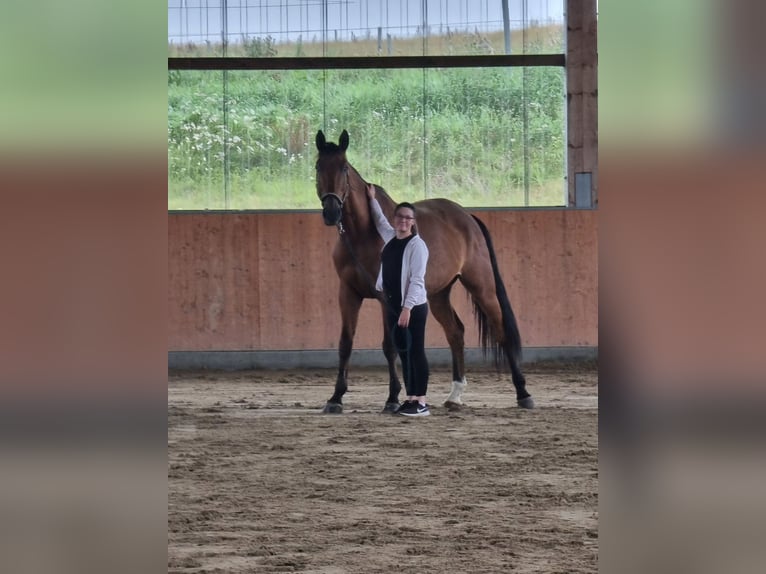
509,61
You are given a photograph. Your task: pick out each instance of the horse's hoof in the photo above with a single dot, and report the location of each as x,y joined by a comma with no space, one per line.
452,406
390,408
526,403
333,408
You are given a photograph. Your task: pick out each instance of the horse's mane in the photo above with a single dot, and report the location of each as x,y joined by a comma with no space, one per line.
382,195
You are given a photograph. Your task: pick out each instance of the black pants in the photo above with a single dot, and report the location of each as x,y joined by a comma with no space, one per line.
410,343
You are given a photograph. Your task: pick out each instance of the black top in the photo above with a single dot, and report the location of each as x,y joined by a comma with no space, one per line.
391,260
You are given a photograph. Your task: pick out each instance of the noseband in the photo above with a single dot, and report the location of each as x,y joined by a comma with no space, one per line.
341,201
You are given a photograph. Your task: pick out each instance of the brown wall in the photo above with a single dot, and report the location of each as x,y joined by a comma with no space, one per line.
265,281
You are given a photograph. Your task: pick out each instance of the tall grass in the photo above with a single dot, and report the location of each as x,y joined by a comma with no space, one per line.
548,39
456,133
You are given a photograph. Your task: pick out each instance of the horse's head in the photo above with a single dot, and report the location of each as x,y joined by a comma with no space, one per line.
332,177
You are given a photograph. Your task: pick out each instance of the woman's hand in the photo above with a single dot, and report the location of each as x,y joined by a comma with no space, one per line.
404,317
370,191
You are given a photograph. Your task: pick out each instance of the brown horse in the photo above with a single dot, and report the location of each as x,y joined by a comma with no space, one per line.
460,249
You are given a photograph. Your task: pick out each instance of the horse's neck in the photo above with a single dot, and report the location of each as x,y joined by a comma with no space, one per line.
356,218
386,203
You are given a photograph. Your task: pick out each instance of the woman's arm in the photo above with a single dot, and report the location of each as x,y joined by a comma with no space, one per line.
385,230
416,286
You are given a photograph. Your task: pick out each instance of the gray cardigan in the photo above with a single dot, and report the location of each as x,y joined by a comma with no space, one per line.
414,261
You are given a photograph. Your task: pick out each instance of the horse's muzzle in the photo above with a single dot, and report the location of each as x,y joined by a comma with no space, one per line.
332,210
331,217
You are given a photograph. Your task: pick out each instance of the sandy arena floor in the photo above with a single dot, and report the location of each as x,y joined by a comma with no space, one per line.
260,481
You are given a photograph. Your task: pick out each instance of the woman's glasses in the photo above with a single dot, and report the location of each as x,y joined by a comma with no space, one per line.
404,217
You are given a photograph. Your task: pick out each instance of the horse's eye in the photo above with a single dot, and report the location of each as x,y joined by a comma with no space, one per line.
345,168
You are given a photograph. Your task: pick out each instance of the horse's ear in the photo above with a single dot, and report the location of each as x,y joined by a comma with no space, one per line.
343,140
320,140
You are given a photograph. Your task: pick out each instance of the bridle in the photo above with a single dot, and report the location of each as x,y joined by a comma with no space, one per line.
341,201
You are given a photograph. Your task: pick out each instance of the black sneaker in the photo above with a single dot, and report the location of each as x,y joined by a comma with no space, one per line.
415,409
404,405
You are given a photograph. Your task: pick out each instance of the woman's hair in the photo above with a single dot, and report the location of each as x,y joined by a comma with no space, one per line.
406,204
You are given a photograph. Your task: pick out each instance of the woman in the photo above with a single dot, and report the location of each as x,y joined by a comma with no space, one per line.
402,280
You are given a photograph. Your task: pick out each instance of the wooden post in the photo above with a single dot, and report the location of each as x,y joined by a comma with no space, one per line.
582,102
507,26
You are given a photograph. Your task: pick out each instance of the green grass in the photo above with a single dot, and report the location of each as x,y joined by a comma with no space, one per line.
456,133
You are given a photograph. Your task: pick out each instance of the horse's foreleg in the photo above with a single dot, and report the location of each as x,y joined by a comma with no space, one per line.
394,386
454,330
350,303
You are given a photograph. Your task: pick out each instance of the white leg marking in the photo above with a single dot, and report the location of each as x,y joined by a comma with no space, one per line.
457,391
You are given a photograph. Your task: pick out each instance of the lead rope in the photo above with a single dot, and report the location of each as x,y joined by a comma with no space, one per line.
406,349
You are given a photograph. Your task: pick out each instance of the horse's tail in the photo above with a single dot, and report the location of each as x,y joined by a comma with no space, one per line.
511,350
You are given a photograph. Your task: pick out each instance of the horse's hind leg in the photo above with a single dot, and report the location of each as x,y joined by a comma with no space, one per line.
486,298
454,330
394,386
523,398
350,303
